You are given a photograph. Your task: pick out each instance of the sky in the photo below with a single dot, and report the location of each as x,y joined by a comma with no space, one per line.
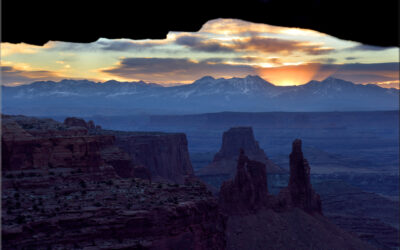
221,48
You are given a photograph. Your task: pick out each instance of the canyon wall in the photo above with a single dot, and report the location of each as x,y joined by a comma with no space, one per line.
38,143
291,220
70,148
232,141
165,155
74,212
248,191
72,185
299,192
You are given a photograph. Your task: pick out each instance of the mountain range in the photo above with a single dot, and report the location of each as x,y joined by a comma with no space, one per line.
249,94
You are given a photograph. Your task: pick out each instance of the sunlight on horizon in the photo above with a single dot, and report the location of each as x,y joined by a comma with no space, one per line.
221,48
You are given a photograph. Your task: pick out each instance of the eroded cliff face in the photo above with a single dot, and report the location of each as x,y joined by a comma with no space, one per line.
239,138
291,220
74,187
28,150
71,186
232,141
166,156
248,191
299,192
37,143
68,212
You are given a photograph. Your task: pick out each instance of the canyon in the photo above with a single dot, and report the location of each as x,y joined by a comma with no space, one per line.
77,185
30,143
223,165
290,220
73,187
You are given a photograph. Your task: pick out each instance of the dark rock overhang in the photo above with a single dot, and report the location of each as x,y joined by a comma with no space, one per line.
36,22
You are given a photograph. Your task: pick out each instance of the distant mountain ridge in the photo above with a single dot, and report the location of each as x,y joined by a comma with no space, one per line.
207,94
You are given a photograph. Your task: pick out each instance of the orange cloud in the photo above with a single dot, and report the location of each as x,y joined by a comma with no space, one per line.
281,46
172,70
259,44
21,48
12,76
235,27
386,84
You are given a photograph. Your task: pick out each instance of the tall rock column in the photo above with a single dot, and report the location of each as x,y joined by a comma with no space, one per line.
233,140
248,191
299,192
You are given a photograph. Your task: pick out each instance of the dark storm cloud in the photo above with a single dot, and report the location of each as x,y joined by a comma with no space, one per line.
73,47
111,45
215,60
326,60
253,59
11,75
364,47
361,72
274,45
363,78
254,44
247,59
167,69
351,58
124,45
201,44
393,66
362,68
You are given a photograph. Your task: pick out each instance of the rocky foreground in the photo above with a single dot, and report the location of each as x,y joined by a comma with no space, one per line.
290,220
73,185
63,211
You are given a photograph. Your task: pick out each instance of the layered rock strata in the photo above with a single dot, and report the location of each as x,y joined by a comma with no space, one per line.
248,191
165,155
75,190
29,143
232,141
291,220
299,192
70,211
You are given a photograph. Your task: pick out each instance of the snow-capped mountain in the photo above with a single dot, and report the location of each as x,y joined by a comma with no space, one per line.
78,88
252,93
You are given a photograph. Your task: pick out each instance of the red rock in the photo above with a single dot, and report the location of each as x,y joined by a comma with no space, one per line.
78,122
165,155
20,150
61,191
141,172
239,138
248,191
116,157
159,216
299,192
10,130
90,125
75,122
232,141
